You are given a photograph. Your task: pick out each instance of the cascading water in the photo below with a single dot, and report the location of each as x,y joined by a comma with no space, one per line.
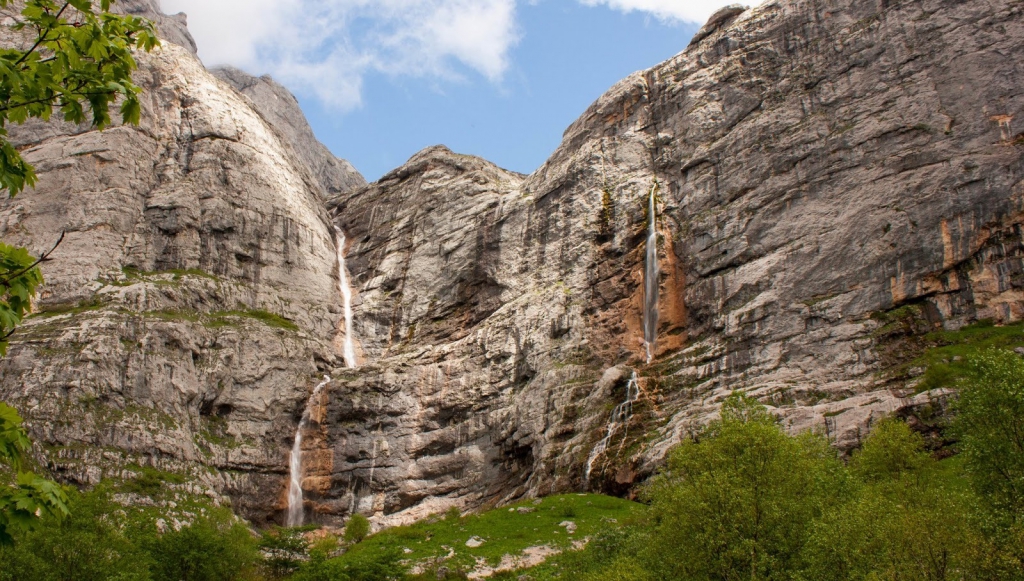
349,350
295,512
651,281
624,411
620,417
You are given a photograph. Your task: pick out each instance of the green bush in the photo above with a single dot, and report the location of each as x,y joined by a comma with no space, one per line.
736,501
283,552
85,546
355,565
211,549
990,425
356,529
907,518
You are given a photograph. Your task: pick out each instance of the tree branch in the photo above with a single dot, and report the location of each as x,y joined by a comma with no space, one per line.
44,258
42,37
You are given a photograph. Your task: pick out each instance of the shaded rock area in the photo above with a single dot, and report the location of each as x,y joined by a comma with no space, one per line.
815,164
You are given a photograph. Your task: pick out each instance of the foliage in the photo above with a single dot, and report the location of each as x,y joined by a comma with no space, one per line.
742,500
283,551
736,501
356,529
86,546
990,423
908,519
383,564
104,540
29,497
213,549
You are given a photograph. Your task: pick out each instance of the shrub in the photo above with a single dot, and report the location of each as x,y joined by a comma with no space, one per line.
210,549
990,425
85,546
736,501
356,529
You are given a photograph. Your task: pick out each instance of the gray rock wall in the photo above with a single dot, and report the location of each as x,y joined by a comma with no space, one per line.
815,163
192,299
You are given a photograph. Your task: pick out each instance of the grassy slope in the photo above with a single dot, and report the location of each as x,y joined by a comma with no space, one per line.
911,347
505,530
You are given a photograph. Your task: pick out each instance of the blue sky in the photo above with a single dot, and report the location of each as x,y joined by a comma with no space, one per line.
380,80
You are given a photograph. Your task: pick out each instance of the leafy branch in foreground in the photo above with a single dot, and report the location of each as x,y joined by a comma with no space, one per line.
76,61
31,497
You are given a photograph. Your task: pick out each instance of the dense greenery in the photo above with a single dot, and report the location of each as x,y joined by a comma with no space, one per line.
742,500
29,496
104,540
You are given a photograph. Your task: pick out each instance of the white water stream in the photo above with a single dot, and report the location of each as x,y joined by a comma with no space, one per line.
620,417
624,411
295,508
295,512
651,281
349,350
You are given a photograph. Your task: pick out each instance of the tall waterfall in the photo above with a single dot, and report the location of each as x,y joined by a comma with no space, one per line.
620,417
349,352
295,512
651,281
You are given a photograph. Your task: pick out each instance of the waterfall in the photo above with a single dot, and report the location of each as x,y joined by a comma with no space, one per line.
651,281
349,352
620,416
295,513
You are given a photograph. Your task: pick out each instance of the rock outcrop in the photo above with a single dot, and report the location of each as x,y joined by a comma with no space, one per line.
194,294
281,110
816,164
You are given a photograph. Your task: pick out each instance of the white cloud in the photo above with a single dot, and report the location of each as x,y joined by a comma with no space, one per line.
326,47
694,11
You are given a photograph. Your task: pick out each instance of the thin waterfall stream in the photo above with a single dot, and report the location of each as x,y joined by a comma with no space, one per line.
349,350
295,507
620,417
651,280
624,411
295,512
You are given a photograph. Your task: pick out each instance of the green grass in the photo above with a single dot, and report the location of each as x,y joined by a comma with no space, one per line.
505,531
946,351
222,318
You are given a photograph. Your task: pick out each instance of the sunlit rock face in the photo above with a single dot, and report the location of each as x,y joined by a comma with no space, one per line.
812,164
193,295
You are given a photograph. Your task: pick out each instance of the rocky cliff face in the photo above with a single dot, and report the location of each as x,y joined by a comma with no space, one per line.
816,164
194,294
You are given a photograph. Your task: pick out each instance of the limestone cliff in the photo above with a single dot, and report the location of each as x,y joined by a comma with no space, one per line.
194,294
815,163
